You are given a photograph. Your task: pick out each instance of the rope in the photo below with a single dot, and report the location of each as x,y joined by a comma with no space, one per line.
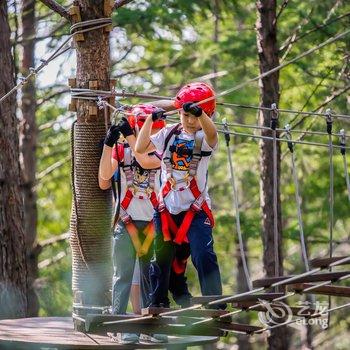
236,206
274,122
91,216
281,110
102,22
329,121
75,202
343,153
269,72
297,199
94,94
275,299
251,292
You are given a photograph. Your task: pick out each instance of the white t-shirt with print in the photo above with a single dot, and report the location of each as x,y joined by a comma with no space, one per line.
178,201
139,209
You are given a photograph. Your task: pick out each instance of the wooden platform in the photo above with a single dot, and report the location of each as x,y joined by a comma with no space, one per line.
252,297
317,277
325,262
336,291
58,333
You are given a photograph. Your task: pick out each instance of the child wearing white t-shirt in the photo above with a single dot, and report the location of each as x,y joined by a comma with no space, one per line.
184,219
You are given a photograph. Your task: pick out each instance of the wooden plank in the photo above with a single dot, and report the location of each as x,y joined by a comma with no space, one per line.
325,262
252,297
58,333
317,277
296,310
189,313
337,291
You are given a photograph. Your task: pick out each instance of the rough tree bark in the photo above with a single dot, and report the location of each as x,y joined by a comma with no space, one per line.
28,144
91,210
266,28
13,270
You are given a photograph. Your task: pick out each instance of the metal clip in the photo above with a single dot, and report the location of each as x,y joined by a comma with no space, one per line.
226,132
342,141
274,116
289,138
101,103
329,120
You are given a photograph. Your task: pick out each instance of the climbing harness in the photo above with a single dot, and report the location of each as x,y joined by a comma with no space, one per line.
169,228
128,166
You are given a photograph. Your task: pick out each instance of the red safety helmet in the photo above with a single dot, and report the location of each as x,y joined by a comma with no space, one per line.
196,92
138,116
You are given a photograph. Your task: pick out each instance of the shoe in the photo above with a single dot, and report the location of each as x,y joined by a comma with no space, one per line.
153,338
124,338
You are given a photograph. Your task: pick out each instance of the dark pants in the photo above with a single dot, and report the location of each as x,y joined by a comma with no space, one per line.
200,247
124,256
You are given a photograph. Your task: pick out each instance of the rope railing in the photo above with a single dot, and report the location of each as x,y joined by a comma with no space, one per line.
86,25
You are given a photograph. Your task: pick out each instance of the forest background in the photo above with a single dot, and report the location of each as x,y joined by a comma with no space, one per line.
156,49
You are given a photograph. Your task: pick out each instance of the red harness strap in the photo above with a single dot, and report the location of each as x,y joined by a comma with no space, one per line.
169,227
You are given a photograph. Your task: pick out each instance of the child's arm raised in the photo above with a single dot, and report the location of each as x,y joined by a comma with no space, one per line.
208,126
145,160
107,163
143,142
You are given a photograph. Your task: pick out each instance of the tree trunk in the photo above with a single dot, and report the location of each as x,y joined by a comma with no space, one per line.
13,270
269,93
91,210
28,143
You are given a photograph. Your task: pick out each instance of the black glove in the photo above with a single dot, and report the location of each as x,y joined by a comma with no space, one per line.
189,107
112,136
158,114
125,127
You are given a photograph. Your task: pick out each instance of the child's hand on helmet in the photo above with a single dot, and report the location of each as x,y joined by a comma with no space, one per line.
158,114
125,127
112,136
189,107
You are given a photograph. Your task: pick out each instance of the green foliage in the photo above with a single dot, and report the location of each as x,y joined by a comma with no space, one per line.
173,44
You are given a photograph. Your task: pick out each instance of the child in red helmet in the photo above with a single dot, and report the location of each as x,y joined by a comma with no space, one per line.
133,235
184,219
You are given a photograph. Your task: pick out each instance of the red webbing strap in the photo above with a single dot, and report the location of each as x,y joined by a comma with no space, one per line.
179,266
154,200
168,225
181,235
127,199
206,209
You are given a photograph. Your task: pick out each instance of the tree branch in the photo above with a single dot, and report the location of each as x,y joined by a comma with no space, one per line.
52,167
120,3
56,7
55,239
294,39
53,260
